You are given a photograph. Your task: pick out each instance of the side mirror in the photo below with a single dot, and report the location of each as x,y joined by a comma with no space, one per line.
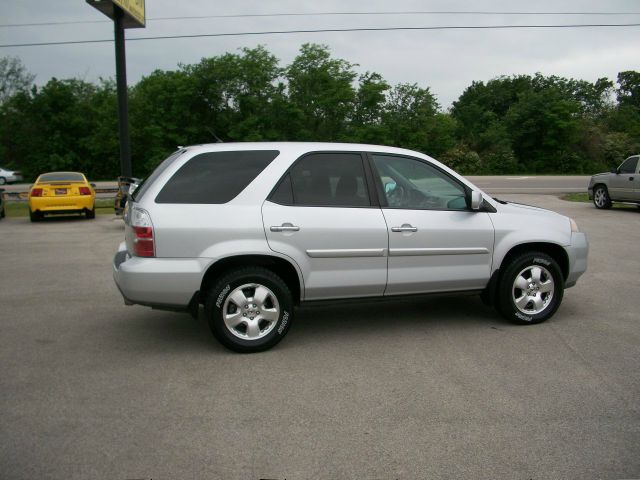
476,200
614,170
93,185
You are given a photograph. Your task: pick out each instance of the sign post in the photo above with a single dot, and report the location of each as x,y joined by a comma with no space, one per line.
125,14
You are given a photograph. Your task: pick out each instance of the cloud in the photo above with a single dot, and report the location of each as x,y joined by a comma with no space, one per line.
445,61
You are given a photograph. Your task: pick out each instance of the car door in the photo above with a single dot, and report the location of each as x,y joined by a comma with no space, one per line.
436,243
635,194
322,216
623,184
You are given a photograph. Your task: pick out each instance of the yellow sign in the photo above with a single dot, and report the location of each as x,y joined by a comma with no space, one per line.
134,8
133,11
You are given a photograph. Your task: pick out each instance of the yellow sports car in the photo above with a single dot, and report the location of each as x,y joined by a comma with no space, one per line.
61,193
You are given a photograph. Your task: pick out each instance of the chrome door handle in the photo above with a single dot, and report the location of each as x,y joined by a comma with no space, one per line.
405,228
285,227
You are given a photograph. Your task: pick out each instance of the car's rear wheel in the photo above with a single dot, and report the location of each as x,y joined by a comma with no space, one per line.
91,213
601,197
249,309
530,288
35,216
3,181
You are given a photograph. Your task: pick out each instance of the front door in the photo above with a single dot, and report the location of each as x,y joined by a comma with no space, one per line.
321,215
623,185
436,243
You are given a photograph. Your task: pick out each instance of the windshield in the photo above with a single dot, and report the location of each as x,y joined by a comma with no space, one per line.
61,177
137,194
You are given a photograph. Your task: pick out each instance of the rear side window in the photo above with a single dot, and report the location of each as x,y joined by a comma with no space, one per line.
139,192
215,177
325,179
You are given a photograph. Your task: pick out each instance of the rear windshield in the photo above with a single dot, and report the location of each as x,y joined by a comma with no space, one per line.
215,177
147,182
61,177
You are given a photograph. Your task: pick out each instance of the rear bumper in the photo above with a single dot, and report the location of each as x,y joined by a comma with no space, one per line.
168,283
577,251
61,203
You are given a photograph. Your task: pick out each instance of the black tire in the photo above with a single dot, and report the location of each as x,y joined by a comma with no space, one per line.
2,212
279,300
3,181
35,216
601,198
521,266
91,214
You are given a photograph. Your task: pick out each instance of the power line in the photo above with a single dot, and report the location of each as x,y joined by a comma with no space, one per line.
317,14
324,30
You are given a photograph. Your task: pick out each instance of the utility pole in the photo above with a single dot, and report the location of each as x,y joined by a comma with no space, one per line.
123,94
125,14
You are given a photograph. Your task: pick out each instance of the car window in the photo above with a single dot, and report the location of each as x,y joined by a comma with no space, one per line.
61,177
413,184
329,179
284,193
215,177
629,165
144,185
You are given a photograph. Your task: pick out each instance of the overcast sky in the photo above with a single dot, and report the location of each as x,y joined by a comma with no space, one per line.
446,61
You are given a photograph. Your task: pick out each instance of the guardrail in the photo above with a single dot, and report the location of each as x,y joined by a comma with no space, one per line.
24,196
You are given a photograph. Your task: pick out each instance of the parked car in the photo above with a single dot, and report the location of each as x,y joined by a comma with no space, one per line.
61,193
9,176
251,230
621,184
2,212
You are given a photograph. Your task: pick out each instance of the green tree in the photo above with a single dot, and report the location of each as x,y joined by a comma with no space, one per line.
321,89
14,78
366,121
412,120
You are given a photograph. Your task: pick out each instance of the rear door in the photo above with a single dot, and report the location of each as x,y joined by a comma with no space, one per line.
322,215
436,243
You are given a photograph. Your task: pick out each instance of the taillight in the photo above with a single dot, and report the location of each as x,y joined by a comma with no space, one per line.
84,191
36,192
143,245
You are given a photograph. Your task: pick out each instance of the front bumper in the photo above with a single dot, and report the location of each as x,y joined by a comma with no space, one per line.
577,251
169,283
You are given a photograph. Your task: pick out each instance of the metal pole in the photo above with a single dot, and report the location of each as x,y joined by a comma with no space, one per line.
121,82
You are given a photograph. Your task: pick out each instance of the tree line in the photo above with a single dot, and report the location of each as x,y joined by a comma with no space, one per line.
521,123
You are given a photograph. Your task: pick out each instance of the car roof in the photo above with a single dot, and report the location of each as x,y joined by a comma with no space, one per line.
299,146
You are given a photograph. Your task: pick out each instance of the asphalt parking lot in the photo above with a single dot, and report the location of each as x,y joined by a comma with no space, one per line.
432,388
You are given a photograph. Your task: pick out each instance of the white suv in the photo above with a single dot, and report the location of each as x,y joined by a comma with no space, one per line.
250,230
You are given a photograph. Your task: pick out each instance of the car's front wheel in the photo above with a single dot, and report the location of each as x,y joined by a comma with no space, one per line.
249,309
530,288
601,197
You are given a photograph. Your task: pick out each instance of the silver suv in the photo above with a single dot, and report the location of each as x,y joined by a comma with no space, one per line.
622,184
251,230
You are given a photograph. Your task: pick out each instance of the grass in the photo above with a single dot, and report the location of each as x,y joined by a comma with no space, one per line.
584,197
576,197
104,206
